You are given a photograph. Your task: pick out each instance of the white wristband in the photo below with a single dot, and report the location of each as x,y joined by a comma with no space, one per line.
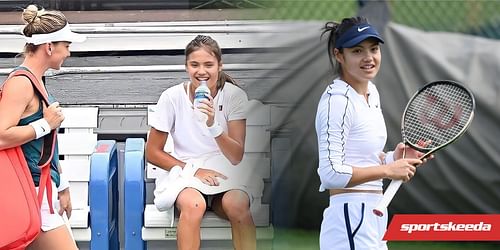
389,157
63,183
189,169
216,130
41,127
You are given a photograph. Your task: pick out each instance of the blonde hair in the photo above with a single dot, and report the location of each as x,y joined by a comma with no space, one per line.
41,21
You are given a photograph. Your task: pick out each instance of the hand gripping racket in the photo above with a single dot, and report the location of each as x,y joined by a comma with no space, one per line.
436,116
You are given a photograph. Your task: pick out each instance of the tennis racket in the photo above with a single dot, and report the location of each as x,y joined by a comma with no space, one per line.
436,116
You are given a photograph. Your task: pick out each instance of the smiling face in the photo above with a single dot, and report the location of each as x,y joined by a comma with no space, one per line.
202,64
360,63
59,51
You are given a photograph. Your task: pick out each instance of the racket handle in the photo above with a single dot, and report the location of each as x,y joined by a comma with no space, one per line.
387,198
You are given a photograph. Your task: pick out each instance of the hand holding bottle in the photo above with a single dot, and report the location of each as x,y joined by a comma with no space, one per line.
203,103
206,108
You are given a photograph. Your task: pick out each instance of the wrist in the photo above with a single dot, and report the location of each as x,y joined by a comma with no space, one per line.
189,169
215,130
389,157
41,127
63,183
385,171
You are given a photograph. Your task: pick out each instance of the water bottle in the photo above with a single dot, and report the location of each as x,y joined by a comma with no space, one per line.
200,93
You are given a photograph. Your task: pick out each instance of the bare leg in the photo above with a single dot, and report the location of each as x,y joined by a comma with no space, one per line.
191,205
234,205
55,239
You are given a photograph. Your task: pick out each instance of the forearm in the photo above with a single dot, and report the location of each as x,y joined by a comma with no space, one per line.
230,148
16,136
362,175
162,159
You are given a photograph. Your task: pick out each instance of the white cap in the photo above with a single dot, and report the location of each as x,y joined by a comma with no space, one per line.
63,35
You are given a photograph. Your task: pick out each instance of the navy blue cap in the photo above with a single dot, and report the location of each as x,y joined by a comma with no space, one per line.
356,34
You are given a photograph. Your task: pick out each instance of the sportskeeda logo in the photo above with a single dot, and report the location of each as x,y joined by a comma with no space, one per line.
444,227
450,227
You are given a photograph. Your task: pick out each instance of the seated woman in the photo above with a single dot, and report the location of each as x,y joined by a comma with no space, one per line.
206,151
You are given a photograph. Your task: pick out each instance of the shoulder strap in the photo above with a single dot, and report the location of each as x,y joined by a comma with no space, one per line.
49,142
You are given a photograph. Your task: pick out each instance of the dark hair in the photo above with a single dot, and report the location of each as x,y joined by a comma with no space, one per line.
336,30
41,21
211,45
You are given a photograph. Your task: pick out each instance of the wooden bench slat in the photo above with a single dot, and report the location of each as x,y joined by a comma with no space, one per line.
77,143
76,170
224,233
82,234
79,218
79,191
80,117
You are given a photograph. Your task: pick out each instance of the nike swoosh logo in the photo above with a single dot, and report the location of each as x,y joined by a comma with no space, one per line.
364,28
43,129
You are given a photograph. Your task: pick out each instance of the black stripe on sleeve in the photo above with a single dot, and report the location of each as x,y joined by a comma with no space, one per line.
342,133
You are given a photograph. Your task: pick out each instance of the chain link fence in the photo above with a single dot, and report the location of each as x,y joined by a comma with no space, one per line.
476,17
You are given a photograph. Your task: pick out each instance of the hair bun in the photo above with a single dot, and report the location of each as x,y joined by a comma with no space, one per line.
30,13
331,26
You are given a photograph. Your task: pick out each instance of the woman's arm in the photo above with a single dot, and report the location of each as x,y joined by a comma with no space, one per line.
232,143
402,169
155,153
17,95
18,100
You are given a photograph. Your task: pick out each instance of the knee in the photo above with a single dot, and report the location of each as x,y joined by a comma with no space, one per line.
191,208
236,207
194,210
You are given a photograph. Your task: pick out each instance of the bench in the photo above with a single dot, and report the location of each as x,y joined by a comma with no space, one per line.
145,223
91,167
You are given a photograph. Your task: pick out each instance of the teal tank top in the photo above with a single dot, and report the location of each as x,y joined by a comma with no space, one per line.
33,149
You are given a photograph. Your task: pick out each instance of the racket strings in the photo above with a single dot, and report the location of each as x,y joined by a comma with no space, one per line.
437,115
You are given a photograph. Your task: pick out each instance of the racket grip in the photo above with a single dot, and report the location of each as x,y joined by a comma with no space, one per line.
387,198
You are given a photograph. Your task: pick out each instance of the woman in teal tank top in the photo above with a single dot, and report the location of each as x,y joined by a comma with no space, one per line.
33,149
25,121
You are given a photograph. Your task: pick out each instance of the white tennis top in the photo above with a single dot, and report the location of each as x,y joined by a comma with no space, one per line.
175,115
351,132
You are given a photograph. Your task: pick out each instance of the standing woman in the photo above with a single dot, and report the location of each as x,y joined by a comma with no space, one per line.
351,136
25,120
206,152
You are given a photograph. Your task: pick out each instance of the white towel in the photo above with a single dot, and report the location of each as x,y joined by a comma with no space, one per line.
170,184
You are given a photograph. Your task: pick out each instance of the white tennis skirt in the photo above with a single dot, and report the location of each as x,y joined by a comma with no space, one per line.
349,223
52,221
170,184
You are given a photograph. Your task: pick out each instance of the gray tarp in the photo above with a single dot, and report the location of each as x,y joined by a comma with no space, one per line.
464,177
